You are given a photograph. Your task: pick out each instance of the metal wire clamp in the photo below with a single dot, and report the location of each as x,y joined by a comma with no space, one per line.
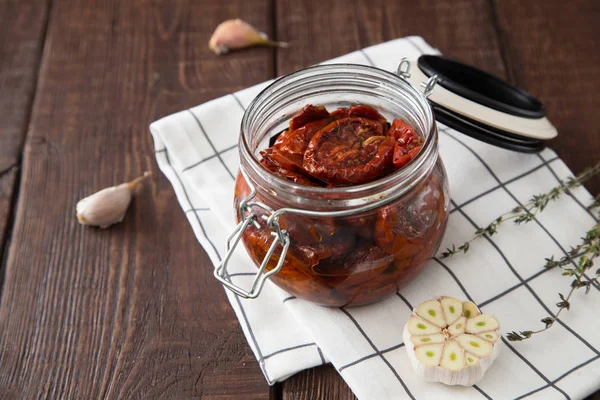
281,237
403,71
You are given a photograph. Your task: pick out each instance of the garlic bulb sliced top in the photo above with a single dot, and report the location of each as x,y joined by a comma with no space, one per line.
451,341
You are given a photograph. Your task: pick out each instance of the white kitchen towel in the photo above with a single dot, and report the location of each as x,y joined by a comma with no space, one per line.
504,275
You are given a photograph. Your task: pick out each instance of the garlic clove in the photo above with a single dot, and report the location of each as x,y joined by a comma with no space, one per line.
237,34
471,360
418,326
491,336
428,339
453,309
108,206
476,345
105,207
449,354
470,310
458,327
431,311
429,354
481,323
453,356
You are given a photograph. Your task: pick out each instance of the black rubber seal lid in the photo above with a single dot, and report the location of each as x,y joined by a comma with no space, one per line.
486,133
481,87
489,91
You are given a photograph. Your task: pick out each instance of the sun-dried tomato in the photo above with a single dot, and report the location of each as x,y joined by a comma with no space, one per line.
349,150
407,145
400,228
287,174
359,258
309,231
365,258
400,130
335,246
308,114
359,111
288,151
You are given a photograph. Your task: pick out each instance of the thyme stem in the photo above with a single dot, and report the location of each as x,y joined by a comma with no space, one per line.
581,257
527,212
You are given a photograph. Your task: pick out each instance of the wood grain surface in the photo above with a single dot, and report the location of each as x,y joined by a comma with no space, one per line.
22,32
134,312
131,312
553,50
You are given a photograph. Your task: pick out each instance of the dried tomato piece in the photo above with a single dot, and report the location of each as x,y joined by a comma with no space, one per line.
366,112
401,158
288,150
366,259
307,114
335,248
307,231
359,111
407,145
287,174
340,113
322,234
258,242
349,150
400,130
400,228
273,156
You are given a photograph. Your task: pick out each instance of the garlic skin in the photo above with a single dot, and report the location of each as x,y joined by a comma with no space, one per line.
236,34
108,206
435,364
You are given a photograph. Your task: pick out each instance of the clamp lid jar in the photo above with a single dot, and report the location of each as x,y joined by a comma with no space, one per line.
338,246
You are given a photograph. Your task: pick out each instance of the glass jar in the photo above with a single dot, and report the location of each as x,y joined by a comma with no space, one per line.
342,246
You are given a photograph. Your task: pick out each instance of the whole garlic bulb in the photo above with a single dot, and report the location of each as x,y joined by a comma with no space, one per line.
451,342
108,206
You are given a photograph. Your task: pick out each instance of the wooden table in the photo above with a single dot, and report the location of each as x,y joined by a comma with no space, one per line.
134,312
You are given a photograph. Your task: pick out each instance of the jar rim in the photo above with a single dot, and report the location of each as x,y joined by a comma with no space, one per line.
428,150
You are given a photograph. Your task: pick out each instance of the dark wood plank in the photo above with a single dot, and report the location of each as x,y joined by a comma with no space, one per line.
22,30
317,32
133,311
8,186
556,58
317,383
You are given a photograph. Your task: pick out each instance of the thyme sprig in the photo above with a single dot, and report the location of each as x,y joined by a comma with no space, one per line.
577,263
587,251
527,212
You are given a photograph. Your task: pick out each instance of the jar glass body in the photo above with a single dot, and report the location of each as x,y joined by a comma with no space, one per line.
368,240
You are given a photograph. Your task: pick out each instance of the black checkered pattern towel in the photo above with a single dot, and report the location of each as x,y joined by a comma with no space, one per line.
196,149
